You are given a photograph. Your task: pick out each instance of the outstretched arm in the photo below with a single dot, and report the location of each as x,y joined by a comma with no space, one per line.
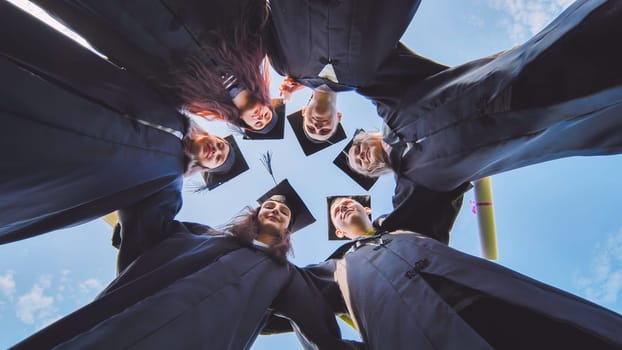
146,223
422,210
306,302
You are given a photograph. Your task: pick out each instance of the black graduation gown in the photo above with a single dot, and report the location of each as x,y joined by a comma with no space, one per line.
152,39
408,291
558,95
183,290
355,36
418,209
73,149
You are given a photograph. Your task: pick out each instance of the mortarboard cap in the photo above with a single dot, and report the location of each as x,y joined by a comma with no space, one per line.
308,145
285,193
233,166
365,201
342,163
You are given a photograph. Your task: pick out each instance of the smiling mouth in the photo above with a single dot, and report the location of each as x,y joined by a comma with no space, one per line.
273,218
207,151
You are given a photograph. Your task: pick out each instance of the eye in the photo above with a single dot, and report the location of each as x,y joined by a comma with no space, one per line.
220,145
218,158
258,124
324,131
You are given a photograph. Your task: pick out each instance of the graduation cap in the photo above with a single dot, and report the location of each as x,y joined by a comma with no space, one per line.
284,193
232,167
275,128
342,163
365,201
310,146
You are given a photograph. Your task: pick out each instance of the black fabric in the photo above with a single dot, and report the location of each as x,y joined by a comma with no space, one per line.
405,290
177,289
355,36
419,209
526,329
79,143
587,52
152,39
472,121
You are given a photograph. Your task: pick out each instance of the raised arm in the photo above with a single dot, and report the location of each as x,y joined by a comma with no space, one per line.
422,210
148,222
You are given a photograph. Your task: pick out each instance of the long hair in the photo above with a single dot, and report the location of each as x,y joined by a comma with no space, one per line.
237,49
245,228
194,130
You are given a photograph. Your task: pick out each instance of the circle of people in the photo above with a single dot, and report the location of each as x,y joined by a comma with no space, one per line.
125,105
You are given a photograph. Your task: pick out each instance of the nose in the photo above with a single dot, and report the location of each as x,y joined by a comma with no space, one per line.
275,211
360,155
219,147
317,123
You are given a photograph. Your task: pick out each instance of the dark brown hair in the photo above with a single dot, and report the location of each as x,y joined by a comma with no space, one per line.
238,49
245,228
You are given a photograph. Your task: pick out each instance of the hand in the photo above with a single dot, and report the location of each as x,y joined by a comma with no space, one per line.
288,87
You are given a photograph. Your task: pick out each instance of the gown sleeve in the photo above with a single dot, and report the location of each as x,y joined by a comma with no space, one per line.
147,223
306,302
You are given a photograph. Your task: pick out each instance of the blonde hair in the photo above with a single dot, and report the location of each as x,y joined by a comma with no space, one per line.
379,169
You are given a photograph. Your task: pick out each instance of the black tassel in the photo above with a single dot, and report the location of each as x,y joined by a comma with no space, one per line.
266,160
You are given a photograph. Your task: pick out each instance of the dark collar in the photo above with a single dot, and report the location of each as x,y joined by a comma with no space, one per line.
341,251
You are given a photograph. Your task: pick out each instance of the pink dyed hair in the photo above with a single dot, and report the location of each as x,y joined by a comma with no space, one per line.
238,49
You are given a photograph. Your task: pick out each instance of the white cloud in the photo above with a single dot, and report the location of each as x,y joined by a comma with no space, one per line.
603,283
35,306
90,286
527,17
7,284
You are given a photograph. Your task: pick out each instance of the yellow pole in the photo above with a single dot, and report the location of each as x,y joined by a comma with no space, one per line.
348,320
486,218
111,218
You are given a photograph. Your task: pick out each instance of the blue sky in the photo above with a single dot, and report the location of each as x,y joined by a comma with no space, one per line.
557,222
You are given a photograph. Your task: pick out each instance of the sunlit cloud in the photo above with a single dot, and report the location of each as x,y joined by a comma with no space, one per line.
7,284
603,282
91,286
35,306
527,17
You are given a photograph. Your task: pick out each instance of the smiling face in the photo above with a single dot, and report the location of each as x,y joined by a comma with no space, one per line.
320,119
349,217
367,156
256,116
209,151
274,217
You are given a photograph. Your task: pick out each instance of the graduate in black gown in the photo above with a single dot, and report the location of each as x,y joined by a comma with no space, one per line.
185,285
84,137
332,46
557,95
204,56
405,290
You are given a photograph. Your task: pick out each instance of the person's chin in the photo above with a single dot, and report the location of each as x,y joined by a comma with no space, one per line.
272,228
